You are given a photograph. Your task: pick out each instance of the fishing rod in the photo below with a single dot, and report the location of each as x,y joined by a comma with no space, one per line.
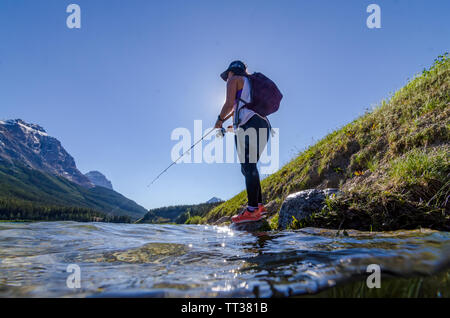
221,132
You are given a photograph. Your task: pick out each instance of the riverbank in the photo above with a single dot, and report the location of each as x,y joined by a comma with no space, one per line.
392,165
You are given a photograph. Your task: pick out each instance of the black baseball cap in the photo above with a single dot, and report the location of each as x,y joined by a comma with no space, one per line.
237,67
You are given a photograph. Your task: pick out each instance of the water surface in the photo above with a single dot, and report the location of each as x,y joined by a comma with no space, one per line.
210,261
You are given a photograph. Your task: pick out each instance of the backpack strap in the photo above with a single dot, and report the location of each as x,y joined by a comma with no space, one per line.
251,91
251,88
241,100
236,116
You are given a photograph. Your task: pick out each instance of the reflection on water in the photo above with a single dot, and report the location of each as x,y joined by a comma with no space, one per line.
209,261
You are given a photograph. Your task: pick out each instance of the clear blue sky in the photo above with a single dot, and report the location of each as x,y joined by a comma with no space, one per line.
113,91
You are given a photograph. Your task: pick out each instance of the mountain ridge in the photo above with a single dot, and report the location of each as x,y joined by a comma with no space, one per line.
36,169
177,213
32,146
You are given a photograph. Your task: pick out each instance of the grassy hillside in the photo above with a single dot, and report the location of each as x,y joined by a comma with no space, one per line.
21,184
392,163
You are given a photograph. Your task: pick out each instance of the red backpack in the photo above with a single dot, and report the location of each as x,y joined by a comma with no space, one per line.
265,95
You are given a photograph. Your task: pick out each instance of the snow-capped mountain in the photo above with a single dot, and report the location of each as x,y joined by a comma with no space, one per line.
99,179
30,145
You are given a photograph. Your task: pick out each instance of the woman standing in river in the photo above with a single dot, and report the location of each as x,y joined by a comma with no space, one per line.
245,99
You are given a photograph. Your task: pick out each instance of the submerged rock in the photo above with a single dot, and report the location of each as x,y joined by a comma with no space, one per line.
148,253
302,204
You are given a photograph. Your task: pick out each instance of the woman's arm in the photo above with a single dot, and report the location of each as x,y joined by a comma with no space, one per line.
229,102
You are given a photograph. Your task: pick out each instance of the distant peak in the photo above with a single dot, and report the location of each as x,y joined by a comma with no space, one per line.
95,173
214,200
99,179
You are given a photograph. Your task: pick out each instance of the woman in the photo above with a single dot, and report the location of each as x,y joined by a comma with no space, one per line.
248,144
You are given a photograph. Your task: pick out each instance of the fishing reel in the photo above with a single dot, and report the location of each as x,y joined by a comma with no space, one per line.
222,131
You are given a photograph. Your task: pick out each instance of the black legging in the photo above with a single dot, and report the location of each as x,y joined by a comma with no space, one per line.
248,163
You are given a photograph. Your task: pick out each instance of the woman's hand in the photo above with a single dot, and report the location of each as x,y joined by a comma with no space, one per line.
218,124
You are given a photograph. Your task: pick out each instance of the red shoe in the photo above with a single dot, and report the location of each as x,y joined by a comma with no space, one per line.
262,209
247,216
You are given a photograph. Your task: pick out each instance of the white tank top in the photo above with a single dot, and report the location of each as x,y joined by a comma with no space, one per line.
244,114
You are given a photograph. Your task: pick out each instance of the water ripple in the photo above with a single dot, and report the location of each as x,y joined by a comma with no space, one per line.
197,260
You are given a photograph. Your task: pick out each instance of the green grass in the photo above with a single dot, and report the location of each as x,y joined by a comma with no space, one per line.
420,167
392,163
195,220
274,222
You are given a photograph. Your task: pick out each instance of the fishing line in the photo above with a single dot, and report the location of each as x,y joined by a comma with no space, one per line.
221,133
187,151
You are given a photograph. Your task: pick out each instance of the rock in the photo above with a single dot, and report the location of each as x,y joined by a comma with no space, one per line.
222,220
272,208
302,204
256,226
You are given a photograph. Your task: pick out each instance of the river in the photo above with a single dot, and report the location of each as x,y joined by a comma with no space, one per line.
146,260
